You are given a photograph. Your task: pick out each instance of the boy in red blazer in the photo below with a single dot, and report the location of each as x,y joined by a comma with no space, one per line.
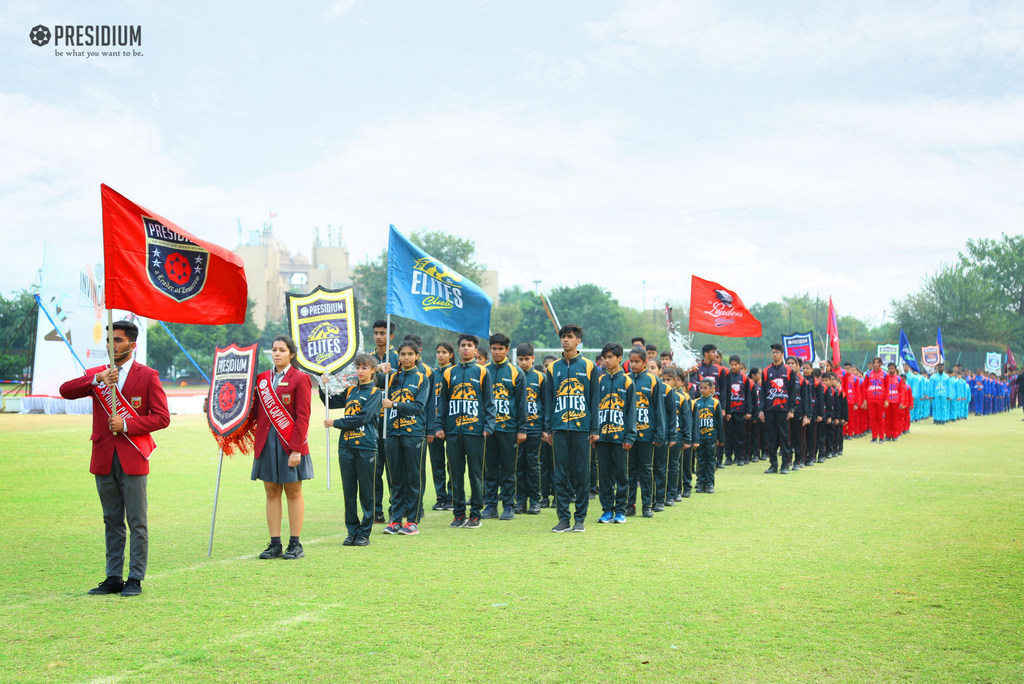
121,446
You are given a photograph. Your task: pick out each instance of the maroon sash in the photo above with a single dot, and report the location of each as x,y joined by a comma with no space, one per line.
279,417
125,410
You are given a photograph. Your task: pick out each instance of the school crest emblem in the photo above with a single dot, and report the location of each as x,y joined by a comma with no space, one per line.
230,399
324,326
176,266
930,356
286,399
136,402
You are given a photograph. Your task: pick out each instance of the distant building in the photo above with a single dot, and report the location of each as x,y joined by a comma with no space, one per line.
271,270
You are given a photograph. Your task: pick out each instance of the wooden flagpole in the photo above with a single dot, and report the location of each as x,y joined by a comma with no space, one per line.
110,351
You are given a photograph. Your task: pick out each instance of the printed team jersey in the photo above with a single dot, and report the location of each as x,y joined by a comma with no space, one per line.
617,408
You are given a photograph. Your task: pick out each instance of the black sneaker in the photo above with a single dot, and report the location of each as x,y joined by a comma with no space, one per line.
797,466
272,551
507,514
132,587
379,519
459,521
545,502
771,470
349,540
361,541
111,585
562,526
294,551
578,527
520,508
439,506
679,497
670,502
784,470
685,495
658,507
710,489
648,513
630,510
473,523
534,509
489,512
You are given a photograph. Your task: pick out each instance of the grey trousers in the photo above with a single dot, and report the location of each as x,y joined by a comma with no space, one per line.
123,497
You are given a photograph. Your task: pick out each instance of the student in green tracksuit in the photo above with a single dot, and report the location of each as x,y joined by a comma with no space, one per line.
387,363
571,426
438,465
528,462
509,394
708,434
357,447
465,417
407,397
680,405
650,431
662,451
617,412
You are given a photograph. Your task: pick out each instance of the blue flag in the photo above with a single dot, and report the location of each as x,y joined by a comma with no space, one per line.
907,354
422,288
938,343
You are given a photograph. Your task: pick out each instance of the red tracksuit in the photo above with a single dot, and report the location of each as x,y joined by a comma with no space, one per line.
875,385
893,413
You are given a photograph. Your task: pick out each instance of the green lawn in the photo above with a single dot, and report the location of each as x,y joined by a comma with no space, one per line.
894,562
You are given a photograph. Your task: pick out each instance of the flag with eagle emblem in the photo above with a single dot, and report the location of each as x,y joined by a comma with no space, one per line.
718,310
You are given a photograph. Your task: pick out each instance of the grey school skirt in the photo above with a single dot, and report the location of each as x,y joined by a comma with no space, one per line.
272,465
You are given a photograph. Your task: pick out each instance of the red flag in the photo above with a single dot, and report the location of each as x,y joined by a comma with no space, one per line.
155,269
719,311
832,333
1011,362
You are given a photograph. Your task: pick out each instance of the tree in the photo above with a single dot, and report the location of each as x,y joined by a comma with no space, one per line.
17,338
199,340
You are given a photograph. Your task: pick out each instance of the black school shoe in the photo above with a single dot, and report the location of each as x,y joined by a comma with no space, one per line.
294,551
132,587
349,540
111,585
272,551
361,541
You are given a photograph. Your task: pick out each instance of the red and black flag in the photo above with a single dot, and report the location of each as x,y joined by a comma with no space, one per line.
717,310
155,269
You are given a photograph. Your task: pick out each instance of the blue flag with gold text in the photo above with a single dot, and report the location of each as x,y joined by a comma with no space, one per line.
422,288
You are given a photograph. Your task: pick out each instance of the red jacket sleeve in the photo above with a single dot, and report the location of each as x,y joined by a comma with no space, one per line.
301,401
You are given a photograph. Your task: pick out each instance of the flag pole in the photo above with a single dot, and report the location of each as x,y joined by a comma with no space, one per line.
387,378
110,351
216,495
327,432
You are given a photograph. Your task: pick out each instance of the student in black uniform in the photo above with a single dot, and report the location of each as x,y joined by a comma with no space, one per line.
405,404
357,447
737,412
756,423
707,422
508,393
387,363
617,412
547,470
528,499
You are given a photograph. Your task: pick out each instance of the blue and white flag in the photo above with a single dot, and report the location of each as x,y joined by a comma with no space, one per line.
422,288
938,343
993,362
907,353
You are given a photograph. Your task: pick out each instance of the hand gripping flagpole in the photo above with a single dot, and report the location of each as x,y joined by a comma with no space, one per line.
216,495
327,433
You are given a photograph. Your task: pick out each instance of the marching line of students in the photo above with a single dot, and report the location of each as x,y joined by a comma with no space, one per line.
610,429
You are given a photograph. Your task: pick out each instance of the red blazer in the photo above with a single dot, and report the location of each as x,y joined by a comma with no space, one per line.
143,385
294,392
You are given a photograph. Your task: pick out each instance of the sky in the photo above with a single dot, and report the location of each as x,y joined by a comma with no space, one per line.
835,148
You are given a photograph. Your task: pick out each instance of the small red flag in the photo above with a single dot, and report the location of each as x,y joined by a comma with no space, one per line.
717,310
1011,362
155,269
832,333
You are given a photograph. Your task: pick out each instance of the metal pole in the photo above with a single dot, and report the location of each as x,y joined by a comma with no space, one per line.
387,378
216,494
327,432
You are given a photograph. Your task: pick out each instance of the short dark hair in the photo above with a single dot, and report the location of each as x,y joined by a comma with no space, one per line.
707,381
792,358
410,344
754,371
637,339
471,338
650,347
446,345
131,331
367,360
639,351
892,364
500,340
708,348
613,348
670,372
816,373
415,339
666,353
524,349
877,358
777,347
570,329
550,357
735,358
382,323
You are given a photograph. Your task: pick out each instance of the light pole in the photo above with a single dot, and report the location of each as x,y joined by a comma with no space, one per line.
536,287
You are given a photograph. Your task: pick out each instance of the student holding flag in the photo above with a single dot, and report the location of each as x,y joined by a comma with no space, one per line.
408,394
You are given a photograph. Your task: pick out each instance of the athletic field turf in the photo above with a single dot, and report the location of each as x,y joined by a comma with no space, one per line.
894,562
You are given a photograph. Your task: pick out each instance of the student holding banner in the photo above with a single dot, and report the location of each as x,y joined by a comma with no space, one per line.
408,394
121,446
282,455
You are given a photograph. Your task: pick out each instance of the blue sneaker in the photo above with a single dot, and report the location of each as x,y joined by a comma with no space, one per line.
620,517
606,517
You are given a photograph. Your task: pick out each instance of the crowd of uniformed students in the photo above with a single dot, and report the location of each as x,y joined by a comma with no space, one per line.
624,426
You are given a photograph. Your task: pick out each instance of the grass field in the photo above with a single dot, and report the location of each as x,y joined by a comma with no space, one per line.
894,562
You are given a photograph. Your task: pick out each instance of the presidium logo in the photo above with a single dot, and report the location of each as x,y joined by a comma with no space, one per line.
176,265
105,40
437,284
